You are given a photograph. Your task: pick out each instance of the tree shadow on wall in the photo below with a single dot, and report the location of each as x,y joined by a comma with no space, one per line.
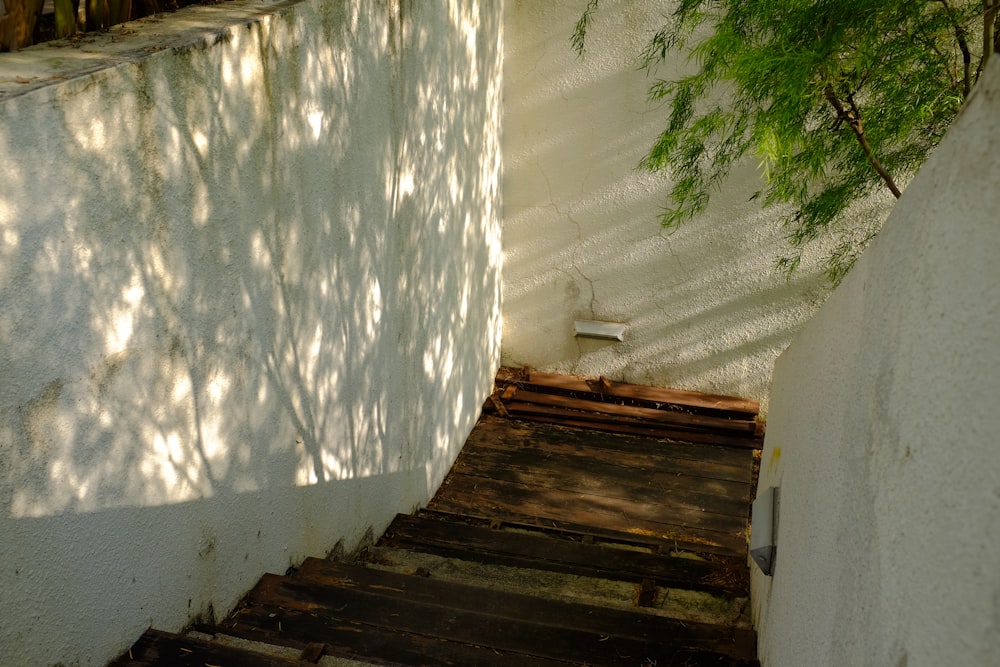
267,304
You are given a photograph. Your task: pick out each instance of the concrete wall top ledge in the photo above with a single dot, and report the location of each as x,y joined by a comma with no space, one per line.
68,60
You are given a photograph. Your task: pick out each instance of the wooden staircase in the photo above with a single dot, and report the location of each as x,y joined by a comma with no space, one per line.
623,542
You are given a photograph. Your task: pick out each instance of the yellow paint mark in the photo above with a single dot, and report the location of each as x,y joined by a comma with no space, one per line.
774,460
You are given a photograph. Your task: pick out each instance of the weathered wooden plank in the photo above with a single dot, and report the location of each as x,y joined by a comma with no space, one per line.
678,492
578,502
514,621
398,648
631,535
500,500
613,423
167,649
482,452
658,416
667,434
631,538
494,404
643,392
647,473
633,449
561,458
539,551
345,638
528,408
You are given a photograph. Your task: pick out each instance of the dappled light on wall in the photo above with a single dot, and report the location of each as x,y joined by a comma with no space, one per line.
706,307
205,305
256,316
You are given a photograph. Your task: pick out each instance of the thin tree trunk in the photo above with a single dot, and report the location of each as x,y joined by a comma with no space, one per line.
17,23
853,119
963,45
66,12
990,9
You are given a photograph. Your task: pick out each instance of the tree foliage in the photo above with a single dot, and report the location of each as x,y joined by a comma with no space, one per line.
837,99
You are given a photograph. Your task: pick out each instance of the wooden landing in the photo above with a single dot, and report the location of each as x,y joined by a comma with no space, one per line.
547,545
694,496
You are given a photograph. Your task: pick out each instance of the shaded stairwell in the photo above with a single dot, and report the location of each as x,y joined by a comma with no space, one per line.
584,523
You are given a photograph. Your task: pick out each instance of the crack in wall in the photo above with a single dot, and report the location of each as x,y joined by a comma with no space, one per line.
665,235
551,199
579,228
593,292
579,239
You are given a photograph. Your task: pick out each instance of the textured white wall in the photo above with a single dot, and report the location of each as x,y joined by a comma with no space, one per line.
249,301
883,435
704,306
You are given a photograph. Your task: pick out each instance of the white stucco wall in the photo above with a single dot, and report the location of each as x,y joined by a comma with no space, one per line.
883,435
704,306
249,301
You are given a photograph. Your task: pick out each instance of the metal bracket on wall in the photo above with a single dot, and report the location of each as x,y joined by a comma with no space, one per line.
596,329
764,529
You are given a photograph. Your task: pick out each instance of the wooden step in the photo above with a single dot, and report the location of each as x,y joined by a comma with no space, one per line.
457,539
654,542
604,389
677,603
603,405
164,648
637,453
347,639
577,419
325,596
697,486
510,471
559,540
634,414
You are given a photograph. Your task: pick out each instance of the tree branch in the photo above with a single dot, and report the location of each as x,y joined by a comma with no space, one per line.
853,118
963,45
579,36
990,10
